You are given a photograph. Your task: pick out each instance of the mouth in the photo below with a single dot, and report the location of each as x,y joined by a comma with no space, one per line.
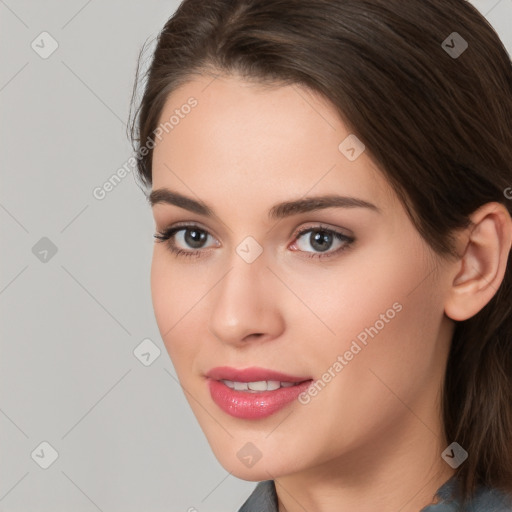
253,393
254,375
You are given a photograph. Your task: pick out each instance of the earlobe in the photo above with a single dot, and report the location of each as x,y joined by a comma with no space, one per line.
481,268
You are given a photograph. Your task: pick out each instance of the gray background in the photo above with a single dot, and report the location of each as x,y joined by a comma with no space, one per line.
70,321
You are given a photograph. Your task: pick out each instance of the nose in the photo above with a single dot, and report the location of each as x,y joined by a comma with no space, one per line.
246,303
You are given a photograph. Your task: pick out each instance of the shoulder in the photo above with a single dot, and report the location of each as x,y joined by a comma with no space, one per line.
485,499
491,500
262,499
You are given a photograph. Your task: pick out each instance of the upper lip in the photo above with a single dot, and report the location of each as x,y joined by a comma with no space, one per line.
252,374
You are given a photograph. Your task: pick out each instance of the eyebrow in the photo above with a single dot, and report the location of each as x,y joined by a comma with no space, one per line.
278,211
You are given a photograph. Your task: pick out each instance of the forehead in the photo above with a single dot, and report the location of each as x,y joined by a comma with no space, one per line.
260,142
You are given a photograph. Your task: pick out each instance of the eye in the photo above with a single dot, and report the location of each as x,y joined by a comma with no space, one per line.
322,238
192,235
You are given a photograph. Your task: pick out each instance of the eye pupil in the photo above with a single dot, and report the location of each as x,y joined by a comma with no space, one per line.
195,237
323,237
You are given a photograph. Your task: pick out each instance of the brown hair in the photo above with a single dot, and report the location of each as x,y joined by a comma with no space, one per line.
439,125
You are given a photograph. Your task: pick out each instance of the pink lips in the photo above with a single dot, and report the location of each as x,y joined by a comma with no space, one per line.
252,374
253,405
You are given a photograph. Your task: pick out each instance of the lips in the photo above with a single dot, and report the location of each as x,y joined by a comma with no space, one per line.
253,406
252,374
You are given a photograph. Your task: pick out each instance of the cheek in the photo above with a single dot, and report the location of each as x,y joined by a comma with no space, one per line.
362,289
385,315
176,296
382,300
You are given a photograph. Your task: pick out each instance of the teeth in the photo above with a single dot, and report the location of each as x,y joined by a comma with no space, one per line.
262,385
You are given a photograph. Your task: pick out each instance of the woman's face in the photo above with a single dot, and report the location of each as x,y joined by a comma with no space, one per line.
362,314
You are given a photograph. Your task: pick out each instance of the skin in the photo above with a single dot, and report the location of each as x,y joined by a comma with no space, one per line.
372,438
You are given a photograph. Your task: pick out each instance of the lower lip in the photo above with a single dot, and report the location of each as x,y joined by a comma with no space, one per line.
251,406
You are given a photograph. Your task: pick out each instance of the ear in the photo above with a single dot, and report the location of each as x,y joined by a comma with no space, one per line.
477,275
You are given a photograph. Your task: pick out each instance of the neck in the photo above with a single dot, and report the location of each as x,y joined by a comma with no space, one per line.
402,471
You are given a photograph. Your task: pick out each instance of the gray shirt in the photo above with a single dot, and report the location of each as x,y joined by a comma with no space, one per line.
264,499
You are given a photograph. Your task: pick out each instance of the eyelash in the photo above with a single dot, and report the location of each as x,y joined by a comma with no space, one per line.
167,234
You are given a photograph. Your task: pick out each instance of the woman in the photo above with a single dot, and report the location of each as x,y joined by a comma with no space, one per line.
331,188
